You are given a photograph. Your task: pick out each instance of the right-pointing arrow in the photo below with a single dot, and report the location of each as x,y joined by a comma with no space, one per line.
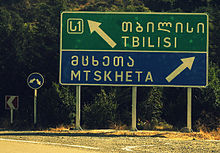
187,63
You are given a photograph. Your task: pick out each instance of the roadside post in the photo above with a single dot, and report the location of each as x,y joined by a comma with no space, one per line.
134,49
35,81
134,104
78,102
189,109
11,103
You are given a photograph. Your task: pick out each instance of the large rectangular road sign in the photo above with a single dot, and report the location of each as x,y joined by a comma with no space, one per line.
138,49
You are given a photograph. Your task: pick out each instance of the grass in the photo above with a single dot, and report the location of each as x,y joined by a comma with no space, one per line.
201,135
215,134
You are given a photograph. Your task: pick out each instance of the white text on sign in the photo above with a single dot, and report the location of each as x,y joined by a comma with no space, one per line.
110,75
151,41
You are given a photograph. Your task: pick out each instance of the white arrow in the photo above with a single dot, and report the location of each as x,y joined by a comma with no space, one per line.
94,26
9,102
187,63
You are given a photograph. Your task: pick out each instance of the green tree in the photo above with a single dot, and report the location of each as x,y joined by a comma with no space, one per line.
30,42
56,106
174,106
150,109
206,102
11,45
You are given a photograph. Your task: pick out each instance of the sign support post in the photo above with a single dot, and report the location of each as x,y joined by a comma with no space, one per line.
35,106
78,101
189,109
11,116
134,103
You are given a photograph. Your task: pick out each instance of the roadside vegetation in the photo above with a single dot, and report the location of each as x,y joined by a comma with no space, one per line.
29,42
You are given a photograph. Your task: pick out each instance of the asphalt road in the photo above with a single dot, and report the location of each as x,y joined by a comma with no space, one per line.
39,142
12,146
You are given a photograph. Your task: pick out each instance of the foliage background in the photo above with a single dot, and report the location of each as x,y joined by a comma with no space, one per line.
29,42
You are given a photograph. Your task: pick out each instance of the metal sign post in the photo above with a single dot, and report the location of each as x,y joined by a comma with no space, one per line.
78,101
35,81
11,116
35,106
134,103
189,109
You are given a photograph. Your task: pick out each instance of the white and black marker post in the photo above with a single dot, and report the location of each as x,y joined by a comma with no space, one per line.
35,81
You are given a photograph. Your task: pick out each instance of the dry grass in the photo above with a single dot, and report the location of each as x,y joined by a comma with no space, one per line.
119,130
214,135
60,128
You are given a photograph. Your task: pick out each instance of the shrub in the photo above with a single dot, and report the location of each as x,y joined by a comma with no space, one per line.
102,113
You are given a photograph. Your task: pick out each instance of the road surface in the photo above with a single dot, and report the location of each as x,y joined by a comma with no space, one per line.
68,142
20,146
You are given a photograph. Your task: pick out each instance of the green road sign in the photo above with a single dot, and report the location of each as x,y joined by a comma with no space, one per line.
134,31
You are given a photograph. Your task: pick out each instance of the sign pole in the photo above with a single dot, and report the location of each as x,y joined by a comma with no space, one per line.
35,106
189,109
134,102
78,100
11,116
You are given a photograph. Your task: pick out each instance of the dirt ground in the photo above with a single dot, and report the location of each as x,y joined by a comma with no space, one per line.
163,134
119,140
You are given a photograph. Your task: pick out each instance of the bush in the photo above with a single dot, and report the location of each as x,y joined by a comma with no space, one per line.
207,102
56,106
150,110
102,113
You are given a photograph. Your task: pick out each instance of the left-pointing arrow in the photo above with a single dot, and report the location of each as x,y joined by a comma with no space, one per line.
187,63
9,102
94,26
